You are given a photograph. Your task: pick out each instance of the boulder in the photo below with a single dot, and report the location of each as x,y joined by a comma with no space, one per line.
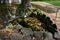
27,31
49,36
38,34
16,36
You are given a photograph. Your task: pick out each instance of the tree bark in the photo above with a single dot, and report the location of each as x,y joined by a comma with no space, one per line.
23,8
0,1
4,1
25,3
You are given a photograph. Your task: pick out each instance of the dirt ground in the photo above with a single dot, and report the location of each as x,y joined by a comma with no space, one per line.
56,18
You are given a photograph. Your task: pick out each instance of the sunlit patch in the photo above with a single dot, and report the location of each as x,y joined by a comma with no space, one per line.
10,1
25,16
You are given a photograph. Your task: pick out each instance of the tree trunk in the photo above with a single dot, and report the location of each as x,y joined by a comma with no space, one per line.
0,1
23,8
25,3
4,1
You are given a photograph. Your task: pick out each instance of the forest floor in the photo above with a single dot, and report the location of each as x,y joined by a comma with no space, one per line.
52,15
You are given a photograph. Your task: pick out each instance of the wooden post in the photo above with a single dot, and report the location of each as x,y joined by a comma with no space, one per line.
56,14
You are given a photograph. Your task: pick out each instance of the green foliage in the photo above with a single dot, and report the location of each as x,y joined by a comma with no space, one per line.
45,0
3,14
2,8
53,2
56,3
38,21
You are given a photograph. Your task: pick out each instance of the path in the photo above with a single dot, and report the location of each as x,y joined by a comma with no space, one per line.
56,19
43,5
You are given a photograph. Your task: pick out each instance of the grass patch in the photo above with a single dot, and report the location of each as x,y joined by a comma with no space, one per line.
55,3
